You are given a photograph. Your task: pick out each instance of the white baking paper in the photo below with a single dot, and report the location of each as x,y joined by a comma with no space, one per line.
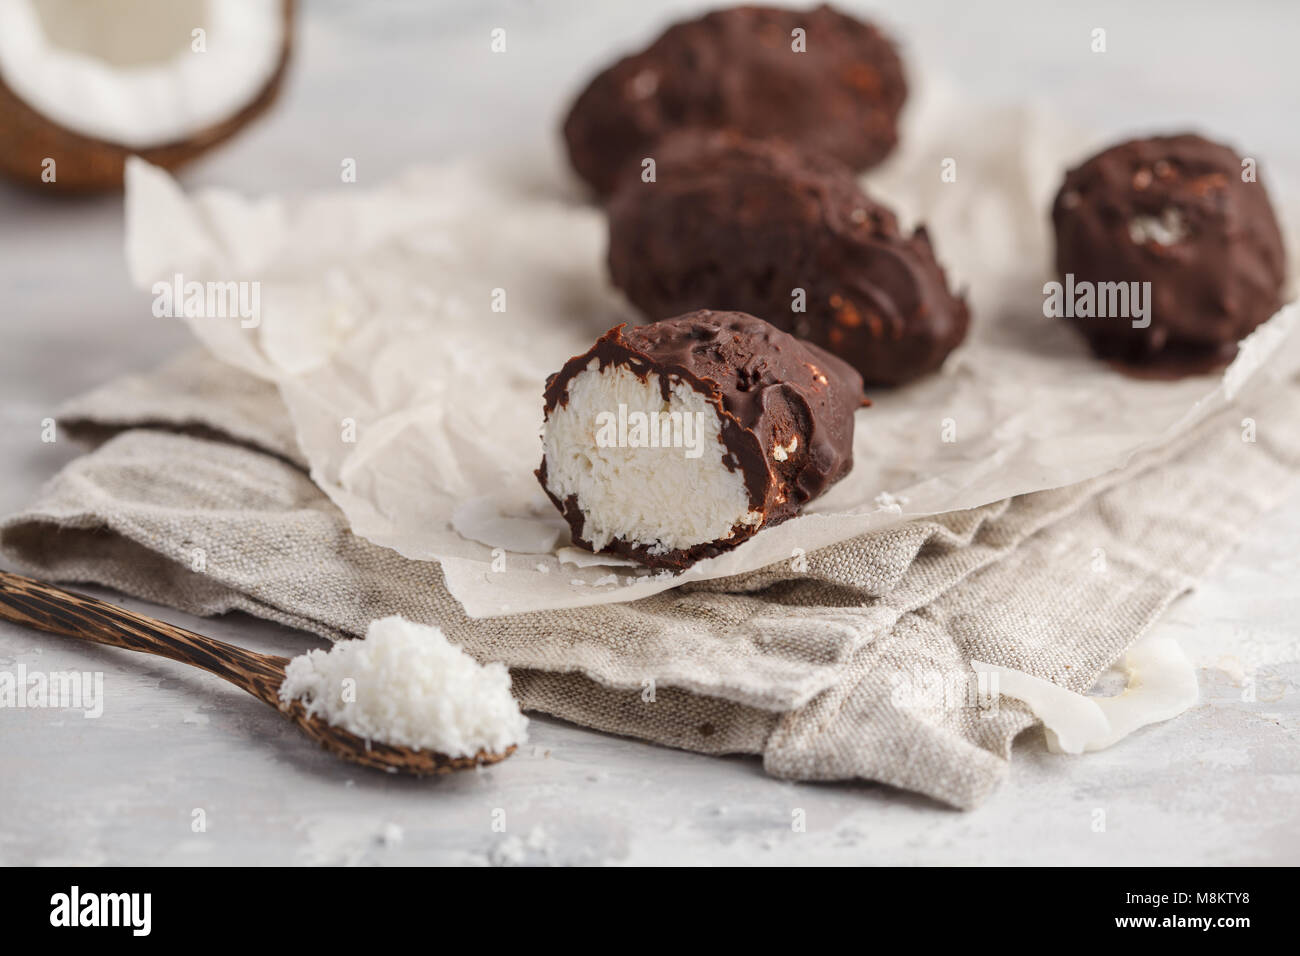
419,406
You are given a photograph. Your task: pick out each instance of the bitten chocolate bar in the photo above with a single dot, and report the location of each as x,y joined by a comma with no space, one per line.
680,440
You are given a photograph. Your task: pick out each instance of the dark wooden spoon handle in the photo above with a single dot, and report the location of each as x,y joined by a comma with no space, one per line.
47,608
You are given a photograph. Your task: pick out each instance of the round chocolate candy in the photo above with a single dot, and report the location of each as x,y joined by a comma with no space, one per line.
817,78
1168,252
760,227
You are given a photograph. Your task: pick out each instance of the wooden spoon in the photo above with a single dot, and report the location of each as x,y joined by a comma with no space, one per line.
47,608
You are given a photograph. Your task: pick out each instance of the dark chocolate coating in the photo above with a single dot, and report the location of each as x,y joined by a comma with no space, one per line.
1208,288
767,387
740,224
736,69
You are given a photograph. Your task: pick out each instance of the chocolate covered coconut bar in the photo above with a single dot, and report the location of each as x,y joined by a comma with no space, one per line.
681,439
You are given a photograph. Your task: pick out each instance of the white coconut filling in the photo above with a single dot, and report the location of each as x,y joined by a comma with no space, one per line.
643,469
128,72
1167,230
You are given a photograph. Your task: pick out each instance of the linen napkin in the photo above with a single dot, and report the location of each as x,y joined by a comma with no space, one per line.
852,662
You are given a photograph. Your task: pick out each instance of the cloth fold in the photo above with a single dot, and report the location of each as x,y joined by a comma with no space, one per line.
849,662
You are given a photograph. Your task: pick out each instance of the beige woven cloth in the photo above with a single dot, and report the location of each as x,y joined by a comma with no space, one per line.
196,498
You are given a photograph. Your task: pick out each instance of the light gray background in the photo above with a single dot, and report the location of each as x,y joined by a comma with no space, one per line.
401,82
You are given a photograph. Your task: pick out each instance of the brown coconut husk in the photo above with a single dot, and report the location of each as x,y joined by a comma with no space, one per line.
86,164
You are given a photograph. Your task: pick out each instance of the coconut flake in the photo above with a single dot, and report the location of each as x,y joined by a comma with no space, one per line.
407,685
1161,685
1167,230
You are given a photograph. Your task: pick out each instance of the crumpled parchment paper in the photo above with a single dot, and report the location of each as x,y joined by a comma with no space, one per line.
417,398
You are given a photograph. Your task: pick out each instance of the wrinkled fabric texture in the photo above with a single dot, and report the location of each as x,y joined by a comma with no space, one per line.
849,663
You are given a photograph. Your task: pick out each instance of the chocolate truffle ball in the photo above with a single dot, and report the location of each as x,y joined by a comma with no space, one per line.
788,236
679,440
1177,212
742,69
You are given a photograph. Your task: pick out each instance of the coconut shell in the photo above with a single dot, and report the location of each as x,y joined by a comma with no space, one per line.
86,164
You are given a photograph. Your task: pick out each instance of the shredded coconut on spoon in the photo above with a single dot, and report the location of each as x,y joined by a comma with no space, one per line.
405,684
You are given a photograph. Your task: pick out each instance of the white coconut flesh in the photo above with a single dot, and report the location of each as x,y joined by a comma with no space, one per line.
130,72
658,497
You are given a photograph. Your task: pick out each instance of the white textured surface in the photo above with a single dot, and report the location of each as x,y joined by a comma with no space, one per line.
1221,784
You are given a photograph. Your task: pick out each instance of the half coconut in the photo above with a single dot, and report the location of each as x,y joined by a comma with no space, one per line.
84,83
